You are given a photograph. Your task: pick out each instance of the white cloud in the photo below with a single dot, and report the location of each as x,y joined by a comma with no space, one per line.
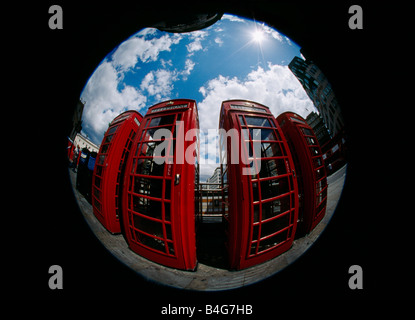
127,54
268,30
276,87
188,67
165,63
196,44
199,34
104,101
232,18
219,41
159,83
288,41
146,31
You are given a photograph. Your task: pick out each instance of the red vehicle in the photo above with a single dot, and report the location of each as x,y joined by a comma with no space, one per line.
311,172
261,203
160,177
109,169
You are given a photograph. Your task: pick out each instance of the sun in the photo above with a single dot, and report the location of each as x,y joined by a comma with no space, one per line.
258,35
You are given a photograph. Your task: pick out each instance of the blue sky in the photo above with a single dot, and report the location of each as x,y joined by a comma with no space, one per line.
235,58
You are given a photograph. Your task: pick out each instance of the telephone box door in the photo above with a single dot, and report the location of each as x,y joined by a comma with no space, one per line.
159,220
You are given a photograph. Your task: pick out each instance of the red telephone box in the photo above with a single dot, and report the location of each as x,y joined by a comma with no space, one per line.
159,182
109,169
260,191
311,172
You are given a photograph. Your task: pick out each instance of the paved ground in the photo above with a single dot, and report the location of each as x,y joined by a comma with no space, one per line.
209,277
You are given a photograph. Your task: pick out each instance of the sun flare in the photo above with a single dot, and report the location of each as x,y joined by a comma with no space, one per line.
258,35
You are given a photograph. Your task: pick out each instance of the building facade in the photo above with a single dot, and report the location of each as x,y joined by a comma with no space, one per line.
320,130
83,142
215,178
320,92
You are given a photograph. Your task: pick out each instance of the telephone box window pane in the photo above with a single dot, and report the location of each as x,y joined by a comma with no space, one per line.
245,134
108,138
272,167
255,231
314,151
148,187
273,208
142,136
255,191
98,182
147,207
274,187
248,148
321,196
97,194
154,122
318,162
321,185
256,212
98,170
320,174
150,167
269,134
320,207
167,211
274,225
105,148
160,121
310,141
263,134
112,130
167,189
168,232
97,205
269,150
306,131
253,249
273,241
149,226
151,242
257,121
171,249
148,149
167,133
101,159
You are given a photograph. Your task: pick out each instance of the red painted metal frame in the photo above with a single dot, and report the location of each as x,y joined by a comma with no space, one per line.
109,169
309,164
262,209
159,199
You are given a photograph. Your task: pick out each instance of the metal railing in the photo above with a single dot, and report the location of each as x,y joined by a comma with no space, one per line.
210,202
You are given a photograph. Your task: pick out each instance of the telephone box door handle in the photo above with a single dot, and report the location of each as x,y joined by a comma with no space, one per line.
177,179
